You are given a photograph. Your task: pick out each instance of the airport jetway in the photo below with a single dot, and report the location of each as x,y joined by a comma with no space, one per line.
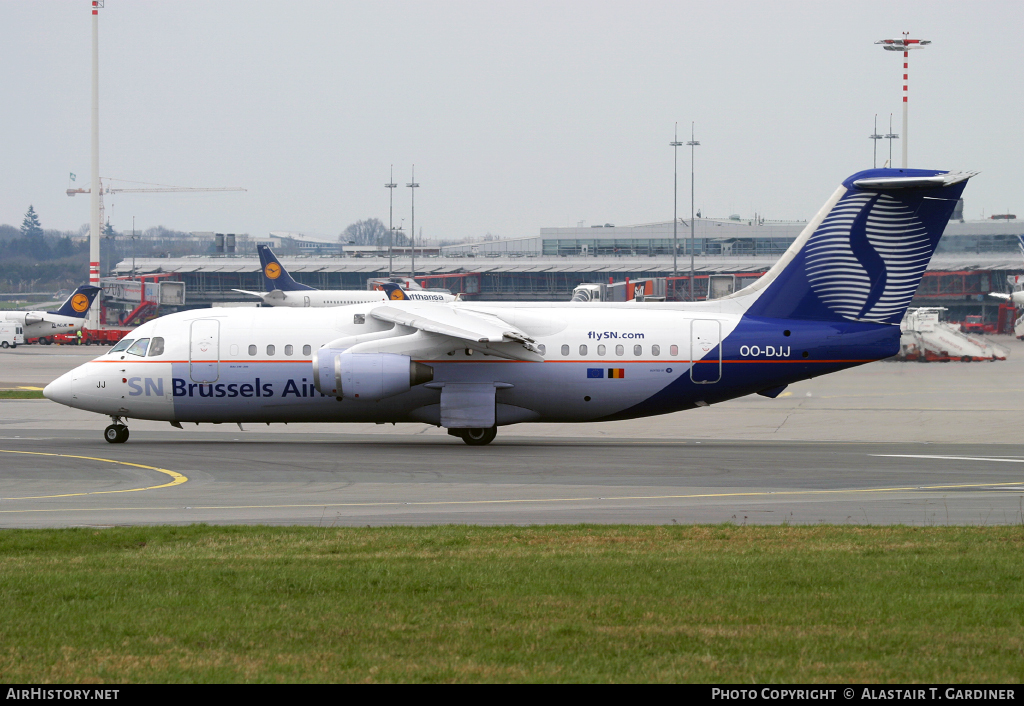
925,338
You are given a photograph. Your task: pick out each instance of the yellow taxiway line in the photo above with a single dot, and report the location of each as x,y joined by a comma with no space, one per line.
176,478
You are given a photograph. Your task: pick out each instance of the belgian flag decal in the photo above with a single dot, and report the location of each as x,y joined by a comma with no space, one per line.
616,372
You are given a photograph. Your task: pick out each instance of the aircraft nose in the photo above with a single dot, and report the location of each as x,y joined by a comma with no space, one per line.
59,390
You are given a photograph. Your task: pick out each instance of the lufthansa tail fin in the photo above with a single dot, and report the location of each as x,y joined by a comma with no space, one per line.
863,255
77,305
274,274
394,292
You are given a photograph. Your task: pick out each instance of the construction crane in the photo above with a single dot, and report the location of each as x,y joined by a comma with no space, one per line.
149,189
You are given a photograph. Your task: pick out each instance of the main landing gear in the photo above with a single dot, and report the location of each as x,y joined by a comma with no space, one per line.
475,437
116,433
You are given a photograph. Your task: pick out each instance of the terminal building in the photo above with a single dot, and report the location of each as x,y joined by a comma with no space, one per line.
973,259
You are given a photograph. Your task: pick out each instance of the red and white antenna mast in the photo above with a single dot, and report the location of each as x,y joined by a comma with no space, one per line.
904,45
93,321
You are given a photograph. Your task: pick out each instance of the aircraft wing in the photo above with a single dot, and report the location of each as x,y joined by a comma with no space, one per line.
255,294
463,329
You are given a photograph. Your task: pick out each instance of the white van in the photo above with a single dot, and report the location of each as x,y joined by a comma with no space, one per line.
11,334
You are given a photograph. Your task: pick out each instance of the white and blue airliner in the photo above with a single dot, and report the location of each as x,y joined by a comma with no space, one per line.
833,300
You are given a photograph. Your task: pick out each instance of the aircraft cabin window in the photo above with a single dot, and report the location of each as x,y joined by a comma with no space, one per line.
252,350
638,349
156,347
122,344
655,350
139,348
619,350
542,348
601,349
288,350
565,349
673,350
271,350
583,350
307,349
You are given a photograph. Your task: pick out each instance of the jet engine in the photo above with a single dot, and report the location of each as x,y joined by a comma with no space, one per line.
366,376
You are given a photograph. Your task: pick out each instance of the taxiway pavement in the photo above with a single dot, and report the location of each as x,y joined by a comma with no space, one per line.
885,443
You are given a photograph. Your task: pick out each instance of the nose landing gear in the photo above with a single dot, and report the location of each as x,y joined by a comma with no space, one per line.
116,433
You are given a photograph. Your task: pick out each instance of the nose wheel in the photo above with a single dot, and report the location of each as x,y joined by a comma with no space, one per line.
116,434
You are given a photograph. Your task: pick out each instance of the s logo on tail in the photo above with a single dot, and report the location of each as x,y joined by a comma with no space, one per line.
867,257
862,257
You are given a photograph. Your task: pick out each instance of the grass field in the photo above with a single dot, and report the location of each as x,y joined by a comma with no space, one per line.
562,603
21,395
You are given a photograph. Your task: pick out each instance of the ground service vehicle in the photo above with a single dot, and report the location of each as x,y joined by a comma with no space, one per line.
11,334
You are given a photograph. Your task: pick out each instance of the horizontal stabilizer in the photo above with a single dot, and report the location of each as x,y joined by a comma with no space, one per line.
913,182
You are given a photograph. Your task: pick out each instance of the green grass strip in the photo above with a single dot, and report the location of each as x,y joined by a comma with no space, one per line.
21,395
726,604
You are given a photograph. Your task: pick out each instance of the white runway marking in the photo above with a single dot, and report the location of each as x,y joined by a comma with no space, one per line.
995,459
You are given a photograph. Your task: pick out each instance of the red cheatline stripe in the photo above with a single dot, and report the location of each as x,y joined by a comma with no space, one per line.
578,362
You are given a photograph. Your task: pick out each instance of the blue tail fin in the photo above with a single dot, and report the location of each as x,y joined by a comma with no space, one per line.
863,256
1020,241
274,274
77,305
394,292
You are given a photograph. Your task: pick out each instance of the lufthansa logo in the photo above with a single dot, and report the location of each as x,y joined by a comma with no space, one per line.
79,302
397,294
272,271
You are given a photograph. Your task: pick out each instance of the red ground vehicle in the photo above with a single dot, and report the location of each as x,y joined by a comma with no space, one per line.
975,323
99,337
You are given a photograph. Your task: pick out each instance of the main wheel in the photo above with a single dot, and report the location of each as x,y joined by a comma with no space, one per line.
479,437
116,434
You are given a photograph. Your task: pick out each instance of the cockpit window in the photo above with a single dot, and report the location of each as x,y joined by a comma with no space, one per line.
156,347
122,344
139,347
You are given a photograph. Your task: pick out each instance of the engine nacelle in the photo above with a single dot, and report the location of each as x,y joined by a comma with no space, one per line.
367,376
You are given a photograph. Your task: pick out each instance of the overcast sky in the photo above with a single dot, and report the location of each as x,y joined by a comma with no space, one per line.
518,115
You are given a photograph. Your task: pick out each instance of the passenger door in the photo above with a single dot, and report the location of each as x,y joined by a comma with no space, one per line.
705,351
204,350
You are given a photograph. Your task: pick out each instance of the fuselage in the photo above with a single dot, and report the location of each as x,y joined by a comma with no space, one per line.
40,324
600,362
341,297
